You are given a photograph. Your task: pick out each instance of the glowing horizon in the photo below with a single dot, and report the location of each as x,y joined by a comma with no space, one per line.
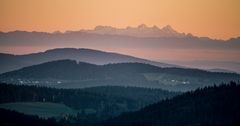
214,19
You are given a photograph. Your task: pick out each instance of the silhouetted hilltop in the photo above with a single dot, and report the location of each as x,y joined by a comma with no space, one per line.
10,62
73,74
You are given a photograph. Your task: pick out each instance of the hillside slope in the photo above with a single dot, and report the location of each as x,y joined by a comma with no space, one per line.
9,62
72,74
211,106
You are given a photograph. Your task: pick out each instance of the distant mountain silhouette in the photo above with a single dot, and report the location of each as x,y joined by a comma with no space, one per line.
107,36
142,31
9,62
70,74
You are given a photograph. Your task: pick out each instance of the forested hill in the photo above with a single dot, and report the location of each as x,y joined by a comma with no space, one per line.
72,74
87,97
102,102
70,69
210,106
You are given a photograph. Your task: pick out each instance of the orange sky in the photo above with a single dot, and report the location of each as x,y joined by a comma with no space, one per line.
214,18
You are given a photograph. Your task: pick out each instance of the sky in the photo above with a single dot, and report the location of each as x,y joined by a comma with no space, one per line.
218,19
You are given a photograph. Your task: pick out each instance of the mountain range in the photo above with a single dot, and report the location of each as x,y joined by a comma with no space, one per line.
141,36
106,33
142,31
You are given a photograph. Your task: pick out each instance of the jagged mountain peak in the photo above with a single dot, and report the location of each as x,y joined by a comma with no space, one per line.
168,28
155,27
141,30
142,26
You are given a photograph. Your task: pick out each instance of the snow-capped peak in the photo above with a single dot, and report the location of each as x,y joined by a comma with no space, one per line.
141,30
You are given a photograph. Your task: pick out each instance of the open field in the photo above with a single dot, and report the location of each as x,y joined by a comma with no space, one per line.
42,109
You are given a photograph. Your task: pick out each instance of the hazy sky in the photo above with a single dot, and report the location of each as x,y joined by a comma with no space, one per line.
213,18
